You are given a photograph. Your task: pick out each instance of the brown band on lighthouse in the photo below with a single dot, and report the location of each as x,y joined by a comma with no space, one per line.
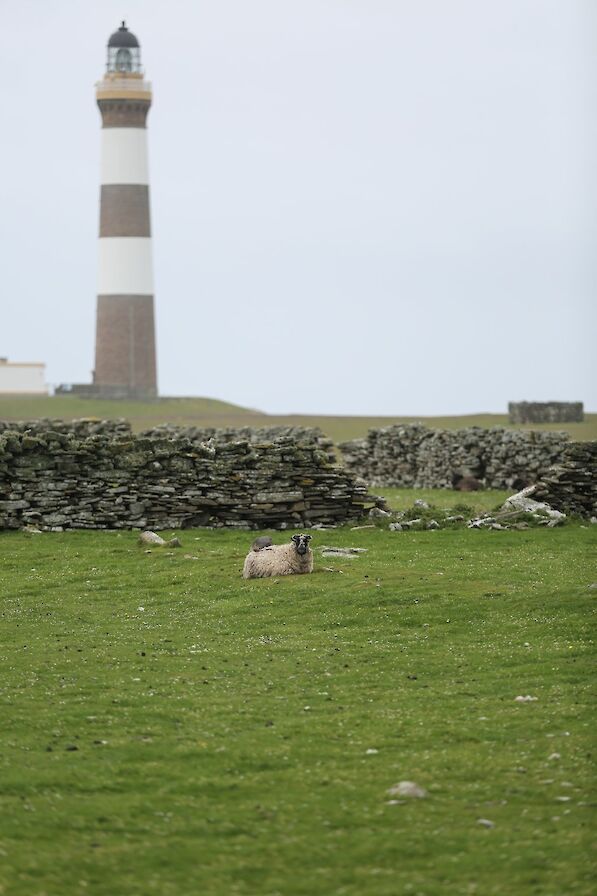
123,113
124,210
125,344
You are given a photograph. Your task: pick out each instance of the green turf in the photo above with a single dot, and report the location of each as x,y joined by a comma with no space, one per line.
141,413
403,498
210,412
221,727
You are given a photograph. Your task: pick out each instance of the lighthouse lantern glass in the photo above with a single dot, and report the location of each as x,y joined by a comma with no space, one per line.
124,59
124,62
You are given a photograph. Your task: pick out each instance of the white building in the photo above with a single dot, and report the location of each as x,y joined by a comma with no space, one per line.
22,379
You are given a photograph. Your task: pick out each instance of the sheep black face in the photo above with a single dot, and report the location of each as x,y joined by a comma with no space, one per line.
301,543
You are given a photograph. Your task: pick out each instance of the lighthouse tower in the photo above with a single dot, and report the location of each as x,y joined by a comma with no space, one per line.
125,356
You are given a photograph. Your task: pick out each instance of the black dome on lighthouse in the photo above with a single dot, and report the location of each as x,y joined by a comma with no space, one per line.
123,38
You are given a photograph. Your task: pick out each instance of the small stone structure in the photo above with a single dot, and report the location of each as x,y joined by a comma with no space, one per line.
413,456
546,412
55,480
570,486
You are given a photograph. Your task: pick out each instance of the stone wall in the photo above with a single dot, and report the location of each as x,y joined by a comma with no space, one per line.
309,434
89,426
54,480
546,412
82,428
413,456
571,485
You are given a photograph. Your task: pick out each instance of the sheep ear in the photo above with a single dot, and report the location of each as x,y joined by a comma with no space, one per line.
308,537
295,538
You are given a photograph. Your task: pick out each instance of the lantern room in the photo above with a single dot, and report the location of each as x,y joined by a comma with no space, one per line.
124,53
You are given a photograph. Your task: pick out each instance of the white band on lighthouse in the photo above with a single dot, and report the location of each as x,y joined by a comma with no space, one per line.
125,266
124,156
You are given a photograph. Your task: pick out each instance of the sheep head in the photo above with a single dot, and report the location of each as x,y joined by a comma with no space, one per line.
301,543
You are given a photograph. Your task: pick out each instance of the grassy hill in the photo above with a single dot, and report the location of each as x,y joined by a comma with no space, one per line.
211,412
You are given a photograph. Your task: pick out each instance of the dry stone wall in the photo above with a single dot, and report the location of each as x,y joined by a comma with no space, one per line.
571,485
54,480
310,435
413,456
81,428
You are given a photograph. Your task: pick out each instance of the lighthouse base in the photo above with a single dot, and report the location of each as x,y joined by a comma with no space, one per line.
125,362
91,390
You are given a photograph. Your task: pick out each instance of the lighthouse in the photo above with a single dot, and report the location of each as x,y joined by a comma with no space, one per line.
125,355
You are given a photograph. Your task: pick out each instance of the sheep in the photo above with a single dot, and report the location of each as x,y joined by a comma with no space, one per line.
295,558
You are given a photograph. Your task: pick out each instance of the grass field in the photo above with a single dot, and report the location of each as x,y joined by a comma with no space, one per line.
209,412
403,498
168,728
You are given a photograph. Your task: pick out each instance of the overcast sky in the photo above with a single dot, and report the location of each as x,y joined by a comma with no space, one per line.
358,206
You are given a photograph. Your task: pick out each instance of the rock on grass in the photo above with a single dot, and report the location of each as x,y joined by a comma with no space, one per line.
408,788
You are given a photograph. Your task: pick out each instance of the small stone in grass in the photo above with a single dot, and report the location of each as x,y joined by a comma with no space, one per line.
408,788
371,751
71,748
485,822
554,756
148,537
525,699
